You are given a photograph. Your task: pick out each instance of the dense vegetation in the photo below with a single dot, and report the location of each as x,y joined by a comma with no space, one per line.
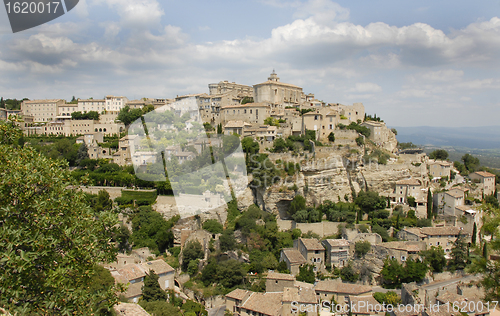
49,254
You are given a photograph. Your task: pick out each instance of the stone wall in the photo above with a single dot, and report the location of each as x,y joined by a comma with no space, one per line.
323,229
114,192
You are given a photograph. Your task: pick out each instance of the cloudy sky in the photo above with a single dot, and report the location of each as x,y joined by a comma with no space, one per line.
413,63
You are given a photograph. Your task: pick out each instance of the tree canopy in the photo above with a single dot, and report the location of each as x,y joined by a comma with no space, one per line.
439,154
52,239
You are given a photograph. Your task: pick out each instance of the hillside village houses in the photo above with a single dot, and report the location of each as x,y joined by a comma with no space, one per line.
223,105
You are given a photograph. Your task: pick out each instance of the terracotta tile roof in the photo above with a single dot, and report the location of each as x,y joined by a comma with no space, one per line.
134,289
368,308
278,83
280,276
303,284
455,193
312,244
129,309
415,231
300,295
446,230
336,242
413,312
234,124
237,294
41,101
408,182
294,256
441,163
484,174
265,303
132,271
248,105
440,311
333,286
158,266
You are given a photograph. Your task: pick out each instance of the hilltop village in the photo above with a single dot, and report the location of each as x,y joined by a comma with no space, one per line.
333,212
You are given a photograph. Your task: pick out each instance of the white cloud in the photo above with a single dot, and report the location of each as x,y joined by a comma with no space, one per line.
364,87
323,12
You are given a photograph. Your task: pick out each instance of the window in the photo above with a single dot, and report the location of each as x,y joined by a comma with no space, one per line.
430,244
403,258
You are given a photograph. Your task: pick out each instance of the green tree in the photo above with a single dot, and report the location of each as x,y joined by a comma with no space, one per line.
192,251
279,145
429,204
249,146
471,163
439,154
151,290
306,274
435,258
298,204
246,100
348,274
391,272
227,241
331,137
52,240
83,153
459,253
160,308
474,234
219,129
361,248
127,116
370,201
360,141
411,201
213,226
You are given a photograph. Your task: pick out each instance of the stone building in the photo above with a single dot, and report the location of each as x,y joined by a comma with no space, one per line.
42,110
337,251
381,135
278,94
336,289
486,179
293,259
443,236
253,113
277,282
440,169
312,251
225,87
87,105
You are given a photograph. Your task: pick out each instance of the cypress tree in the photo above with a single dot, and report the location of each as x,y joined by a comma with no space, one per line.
485,250
151,291
474,233
429,204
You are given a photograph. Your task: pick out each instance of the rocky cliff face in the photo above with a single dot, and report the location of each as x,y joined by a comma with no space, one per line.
334,178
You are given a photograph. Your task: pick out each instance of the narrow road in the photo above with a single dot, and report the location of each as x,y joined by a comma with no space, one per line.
217,311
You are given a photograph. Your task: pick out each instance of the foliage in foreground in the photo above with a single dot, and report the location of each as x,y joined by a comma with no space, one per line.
51,239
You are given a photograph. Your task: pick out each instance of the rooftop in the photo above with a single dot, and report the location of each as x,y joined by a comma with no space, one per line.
408,182
132,271
280,276
237,294
368,308
312,244
129,309
333,286
484,174
445,230
265,303
158,266
337,242
294,256
299,294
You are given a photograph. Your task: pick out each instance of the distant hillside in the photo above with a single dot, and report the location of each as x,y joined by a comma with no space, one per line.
485,137
481,142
